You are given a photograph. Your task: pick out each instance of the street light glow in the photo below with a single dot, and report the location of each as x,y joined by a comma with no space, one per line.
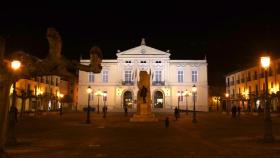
89,90
194,89
265,61
15,64
227,95
178,94
61,95
268,136
98,93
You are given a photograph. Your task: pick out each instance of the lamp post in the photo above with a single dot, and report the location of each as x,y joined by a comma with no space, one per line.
98,94
104,107
104,98
187,93
268,136
89,91
15,65
218,99
178,97
60,100
194,89
227,108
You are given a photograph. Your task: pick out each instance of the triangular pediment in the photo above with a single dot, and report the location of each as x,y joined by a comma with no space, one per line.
143,50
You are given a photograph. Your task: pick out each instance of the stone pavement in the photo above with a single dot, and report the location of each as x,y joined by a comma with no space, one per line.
213,136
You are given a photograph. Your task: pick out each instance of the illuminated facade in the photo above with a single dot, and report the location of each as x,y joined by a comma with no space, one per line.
40,93
169,80
247,87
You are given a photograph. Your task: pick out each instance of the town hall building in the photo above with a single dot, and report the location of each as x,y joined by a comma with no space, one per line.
171,81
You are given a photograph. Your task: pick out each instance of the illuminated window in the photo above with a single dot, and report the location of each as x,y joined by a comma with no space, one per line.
180,76
127,76
157,76
105,76
90,77
194,76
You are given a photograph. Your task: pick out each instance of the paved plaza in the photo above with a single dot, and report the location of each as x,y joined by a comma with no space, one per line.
215,135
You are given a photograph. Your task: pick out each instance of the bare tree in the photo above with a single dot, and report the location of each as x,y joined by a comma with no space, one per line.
53,64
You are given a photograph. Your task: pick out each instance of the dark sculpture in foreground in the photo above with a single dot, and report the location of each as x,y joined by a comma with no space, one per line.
144,100
54,64
143,93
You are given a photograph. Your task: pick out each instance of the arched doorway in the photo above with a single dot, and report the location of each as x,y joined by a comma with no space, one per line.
158,99
127,99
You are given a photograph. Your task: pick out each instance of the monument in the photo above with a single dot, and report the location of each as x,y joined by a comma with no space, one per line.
144,101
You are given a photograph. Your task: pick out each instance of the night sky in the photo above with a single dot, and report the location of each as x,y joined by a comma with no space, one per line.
231,34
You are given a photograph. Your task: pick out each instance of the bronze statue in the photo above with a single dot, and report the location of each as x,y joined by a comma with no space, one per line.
55,43
143,93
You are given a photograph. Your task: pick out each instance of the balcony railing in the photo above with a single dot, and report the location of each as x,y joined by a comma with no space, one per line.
158,83
127,83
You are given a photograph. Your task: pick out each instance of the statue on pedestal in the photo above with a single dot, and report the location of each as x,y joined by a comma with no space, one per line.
144,100
143,93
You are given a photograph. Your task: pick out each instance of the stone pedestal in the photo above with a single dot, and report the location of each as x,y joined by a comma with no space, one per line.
144,114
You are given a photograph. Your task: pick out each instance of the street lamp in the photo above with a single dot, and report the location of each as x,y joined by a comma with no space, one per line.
187,93
268,136
227,97
98,94
194,89
89,91
104,98
178,95
104,107
60,100
15,65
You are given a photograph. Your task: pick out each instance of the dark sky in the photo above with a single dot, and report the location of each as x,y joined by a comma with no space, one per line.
231,34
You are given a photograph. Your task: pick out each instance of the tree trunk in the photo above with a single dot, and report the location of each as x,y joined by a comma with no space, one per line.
4,108
11,137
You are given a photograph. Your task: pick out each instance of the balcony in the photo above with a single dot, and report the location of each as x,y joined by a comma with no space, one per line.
127,83
158,83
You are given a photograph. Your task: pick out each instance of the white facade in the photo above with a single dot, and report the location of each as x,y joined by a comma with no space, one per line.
118,79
